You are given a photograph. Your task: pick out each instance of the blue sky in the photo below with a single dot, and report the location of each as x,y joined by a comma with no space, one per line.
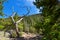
18,5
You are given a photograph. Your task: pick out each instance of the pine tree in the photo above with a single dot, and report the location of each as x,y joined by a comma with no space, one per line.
51,23
1,7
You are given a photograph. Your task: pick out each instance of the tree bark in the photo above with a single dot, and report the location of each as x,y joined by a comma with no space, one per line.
17,30
16,23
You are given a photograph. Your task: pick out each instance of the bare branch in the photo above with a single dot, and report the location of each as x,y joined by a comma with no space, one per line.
28,11
13,19
13,16
19,20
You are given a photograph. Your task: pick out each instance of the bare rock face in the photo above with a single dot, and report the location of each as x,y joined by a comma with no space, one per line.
4,36
1,33
7,35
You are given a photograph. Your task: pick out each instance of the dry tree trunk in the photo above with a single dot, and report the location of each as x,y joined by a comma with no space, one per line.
17,30
16,23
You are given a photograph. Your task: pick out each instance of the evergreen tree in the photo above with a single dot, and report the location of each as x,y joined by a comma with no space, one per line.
51,23
1,7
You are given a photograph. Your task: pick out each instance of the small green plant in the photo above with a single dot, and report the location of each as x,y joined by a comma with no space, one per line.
14,34
32,30
21,33
1,27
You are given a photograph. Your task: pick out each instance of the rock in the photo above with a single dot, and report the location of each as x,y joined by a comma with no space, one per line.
4,34
7,34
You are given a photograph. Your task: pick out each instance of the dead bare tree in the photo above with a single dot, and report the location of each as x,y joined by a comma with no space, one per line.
17,22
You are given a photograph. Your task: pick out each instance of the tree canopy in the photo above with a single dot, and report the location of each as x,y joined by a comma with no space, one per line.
1,7
51,13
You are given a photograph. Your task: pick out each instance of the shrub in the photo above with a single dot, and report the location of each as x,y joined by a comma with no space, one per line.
1,27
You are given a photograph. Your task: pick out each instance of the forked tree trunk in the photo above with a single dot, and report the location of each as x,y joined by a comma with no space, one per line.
16,23
17,30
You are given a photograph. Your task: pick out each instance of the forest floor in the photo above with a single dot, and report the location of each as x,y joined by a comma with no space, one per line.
2,37
28,35
25,36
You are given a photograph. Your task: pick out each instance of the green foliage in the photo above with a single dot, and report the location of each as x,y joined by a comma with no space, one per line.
20,27
31,20
1,27
1,13
51,23
37,27
1,7
16,17
14,35
32,30
21,33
